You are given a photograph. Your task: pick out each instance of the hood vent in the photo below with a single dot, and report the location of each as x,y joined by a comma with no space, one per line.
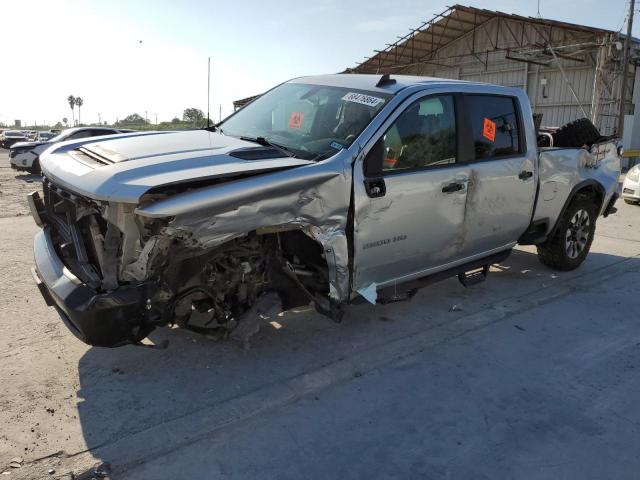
89,158
257,153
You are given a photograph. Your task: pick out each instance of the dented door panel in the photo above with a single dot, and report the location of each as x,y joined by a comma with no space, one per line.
499,204
415,226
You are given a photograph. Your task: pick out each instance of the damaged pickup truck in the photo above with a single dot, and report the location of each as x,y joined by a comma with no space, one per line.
325,190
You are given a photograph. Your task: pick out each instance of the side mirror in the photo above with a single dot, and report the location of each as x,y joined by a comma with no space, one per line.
374,159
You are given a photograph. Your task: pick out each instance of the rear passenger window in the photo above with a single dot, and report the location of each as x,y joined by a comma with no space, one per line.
423,135
494,125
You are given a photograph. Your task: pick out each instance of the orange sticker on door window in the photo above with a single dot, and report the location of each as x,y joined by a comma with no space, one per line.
295,120
489,130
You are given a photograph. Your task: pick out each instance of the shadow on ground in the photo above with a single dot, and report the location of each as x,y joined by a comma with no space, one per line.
29,177
127,390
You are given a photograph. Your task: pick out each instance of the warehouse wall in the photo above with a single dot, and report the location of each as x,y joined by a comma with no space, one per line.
554,100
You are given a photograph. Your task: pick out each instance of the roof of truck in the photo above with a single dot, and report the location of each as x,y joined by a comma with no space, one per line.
370,81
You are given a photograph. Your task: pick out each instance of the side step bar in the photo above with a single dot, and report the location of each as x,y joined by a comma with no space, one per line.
474,277
406,290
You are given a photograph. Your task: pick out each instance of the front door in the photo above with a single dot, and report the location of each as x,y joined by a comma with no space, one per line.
410,193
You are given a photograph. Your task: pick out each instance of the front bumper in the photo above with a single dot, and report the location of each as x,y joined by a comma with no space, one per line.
631,189
109,319
22,160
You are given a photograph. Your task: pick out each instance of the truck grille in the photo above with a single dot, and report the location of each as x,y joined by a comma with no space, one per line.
72,238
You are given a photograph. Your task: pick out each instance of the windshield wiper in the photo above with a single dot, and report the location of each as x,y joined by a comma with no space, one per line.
266,143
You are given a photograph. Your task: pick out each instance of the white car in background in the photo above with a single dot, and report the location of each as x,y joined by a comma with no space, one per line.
631,186
9,137
26,155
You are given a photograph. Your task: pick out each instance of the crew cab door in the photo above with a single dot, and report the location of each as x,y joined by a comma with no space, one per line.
409,193
501,193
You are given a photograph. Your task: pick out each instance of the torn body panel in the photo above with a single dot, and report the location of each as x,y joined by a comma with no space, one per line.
313,198
564,169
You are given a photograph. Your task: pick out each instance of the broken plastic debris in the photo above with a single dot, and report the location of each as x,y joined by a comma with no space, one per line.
370,294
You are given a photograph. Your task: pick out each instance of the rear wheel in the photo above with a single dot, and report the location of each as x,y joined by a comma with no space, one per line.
571,242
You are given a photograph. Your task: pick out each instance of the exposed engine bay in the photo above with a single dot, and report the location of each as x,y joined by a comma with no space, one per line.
109,247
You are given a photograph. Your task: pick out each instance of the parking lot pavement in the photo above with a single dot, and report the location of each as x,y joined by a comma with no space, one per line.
14,187
546,394
426,376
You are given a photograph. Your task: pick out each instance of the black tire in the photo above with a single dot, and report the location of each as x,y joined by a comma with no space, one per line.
567,248
576,134
35,167
630,202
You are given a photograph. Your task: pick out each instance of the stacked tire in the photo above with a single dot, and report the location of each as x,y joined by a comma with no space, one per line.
576,134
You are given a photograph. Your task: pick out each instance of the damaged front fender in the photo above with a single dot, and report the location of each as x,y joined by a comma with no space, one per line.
313,198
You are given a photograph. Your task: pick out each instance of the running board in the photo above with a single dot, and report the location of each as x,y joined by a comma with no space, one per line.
474,277
406,290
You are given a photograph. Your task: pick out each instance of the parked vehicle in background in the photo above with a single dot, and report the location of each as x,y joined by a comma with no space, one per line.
32,135
324,190
631,186
25,155
45,136
9,137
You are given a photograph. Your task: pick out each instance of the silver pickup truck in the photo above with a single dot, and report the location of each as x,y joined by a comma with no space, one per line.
325,190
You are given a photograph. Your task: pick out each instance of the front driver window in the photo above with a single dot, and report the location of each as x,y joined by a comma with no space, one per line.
78,135
423,135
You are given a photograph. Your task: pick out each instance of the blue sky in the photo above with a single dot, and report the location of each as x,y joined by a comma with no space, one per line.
93,49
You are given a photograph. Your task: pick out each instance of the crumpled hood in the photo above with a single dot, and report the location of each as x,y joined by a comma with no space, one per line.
124,167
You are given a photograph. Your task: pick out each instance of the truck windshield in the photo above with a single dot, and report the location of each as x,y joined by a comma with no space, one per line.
310,121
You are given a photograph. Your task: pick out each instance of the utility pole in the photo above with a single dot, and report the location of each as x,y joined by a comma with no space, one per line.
625,69
220,114
99,120
208,88
156,118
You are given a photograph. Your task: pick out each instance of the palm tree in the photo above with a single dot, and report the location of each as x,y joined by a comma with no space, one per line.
79,103
65,121
72,103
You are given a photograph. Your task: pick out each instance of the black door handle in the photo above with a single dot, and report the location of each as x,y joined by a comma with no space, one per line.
524,175
375,187
453,187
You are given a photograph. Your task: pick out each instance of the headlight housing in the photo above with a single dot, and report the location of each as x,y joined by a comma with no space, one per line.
634,173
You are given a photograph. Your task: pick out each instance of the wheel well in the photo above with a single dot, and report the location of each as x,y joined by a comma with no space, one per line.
592,191
299,248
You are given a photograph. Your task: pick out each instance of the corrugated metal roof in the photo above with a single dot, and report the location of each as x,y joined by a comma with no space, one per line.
421,43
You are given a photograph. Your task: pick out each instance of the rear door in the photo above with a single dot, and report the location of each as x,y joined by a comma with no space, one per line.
410,193
502,184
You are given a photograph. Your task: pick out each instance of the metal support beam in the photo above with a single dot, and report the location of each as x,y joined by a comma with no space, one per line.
625,69
566,80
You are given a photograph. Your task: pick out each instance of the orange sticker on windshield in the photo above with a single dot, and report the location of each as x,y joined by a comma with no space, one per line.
489,130
295,120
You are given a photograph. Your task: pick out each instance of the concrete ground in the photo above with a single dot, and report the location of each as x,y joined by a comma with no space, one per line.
531,375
